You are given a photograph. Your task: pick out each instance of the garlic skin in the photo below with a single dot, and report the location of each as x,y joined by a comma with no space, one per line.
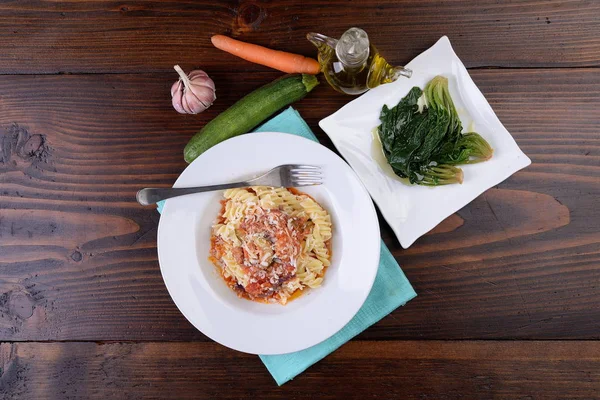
192,93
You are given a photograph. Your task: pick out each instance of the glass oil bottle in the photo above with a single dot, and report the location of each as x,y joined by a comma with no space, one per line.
352,65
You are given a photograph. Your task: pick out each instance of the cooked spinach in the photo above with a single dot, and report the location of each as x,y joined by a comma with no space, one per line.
422,137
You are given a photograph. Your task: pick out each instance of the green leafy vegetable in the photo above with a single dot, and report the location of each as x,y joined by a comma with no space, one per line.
422,137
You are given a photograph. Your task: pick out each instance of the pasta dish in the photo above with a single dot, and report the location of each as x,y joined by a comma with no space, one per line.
269,244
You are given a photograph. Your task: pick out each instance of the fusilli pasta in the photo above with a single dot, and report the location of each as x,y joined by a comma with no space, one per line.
271,242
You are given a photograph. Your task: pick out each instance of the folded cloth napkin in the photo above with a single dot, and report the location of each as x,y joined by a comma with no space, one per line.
390,290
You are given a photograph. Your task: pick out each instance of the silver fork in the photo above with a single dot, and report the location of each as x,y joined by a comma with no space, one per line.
290,175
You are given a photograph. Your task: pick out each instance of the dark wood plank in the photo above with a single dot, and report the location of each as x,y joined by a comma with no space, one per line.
78,257
111,36
359,370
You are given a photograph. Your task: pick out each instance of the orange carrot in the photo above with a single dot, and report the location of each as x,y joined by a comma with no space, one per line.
281,60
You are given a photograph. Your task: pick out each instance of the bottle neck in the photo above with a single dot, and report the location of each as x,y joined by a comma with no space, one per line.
351,62
353,48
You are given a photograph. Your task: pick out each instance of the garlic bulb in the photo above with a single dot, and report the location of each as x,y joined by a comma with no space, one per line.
192,93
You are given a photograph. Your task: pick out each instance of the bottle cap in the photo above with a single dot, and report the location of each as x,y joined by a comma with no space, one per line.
353,47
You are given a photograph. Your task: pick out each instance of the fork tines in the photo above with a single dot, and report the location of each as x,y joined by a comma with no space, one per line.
305,175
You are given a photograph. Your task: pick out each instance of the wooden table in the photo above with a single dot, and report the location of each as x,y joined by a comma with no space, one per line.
509,287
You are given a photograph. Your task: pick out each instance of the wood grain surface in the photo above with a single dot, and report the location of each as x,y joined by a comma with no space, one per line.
359,370
140,36
79,256
508,288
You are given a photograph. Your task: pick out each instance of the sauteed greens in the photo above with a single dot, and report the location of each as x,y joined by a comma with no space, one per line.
422,137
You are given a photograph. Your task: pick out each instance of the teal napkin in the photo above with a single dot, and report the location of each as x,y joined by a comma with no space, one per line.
390,290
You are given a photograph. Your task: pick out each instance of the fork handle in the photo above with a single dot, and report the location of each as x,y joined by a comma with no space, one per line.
149,196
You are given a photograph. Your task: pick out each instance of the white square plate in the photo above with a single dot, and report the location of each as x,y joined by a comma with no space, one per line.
413,210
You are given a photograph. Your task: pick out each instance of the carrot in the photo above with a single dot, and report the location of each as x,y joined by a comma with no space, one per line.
281,60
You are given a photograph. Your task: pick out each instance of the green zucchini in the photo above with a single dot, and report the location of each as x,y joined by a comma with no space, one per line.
249,112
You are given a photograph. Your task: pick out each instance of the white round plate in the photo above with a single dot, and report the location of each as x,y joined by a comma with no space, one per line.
201,294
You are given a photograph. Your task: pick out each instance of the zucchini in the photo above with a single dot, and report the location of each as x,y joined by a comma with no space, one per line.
249,112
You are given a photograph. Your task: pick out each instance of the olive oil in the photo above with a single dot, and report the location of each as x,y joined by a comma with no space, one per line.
352,65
